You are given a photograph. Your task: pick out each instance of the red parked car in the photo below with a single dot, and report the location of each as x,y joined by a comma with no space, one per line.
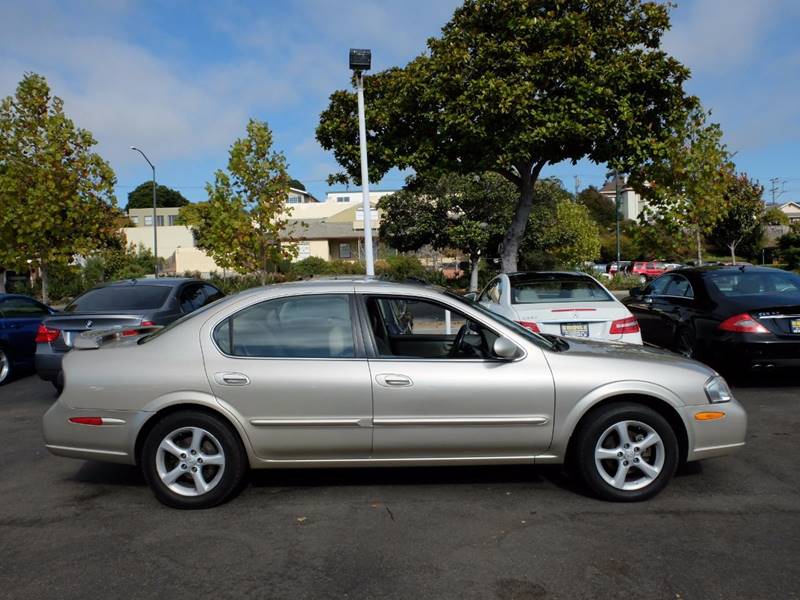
648,269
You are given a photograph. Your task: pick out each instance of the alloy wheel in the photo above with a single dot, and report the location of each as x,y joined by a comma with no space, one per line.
629,455
5,366
190,461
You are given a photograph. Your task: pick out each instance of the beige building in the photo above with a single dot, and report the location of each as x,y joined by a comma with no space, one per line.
791,210
631,204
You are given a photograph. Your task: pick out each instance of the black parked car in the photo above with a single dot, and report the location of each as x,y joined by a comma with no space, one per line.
130,303
738,319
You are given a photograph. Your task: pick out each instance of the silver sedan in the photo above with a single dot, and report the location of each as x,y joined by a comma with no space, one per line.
360,373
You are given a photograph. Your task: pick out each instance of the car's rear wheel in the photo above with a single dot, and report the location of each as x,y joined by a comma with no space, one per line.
626,452
685,343
192,459
6,366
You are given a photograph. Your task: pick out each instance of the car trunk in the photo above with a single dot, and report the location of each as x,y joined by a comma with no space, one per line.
782,321
73,324
575,319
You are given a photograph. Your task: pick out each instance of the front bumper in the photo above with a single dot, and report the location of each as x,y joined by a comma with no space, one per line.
718,437
114,441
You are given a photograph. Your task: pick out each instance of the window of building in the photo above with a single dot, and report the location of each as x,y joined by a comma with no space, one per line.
172,219
344,251
317,326
294,199
160,220
148,221
135,220
303,250
343,199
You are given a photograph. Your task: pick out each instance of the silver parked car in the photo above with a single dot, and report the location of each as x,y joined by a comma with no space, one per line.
345,373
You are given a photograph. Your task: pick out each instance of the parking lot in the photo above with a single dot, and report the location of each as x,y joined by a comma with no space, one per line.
729,528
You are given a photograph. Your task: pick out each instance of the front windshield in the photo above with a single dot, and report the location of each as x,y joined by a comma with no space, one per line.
536,338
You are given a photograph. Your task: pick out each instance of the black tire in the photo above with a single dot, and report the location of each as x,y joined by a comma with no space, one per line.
597,424
686,343
6,366
221,433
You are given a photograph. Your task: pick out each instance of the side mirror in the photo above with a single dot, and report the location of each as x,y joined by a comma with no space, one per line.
504,349
472,296
636,292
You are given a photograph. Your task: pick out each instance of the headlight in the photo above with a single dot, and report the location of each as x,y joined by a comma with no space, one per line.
717,390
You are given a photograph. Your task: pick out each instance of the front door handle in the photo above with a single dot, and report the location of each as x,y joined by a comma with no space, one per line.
393,380
231,378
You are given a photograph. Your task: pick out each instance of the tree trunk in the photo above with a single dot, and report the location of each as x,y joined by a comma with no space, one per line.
474,260
2,281
699,242
45,291
509,247
733,253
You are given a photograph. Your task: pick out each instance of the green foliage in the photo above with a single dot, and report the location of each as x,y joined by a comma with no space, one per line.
240,224
687,179
565,236
600,207
56,195
622,281
656,241
741,225
514,85
789,248
407,268
775,216
142,197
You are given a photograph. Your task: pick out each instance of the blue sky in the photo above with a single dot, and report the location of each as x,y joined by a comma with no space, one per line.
180,79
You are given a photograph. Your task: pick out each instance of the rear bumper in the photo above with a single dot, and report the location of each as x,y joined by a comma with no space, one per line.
112,442
757,354
719,437
48,363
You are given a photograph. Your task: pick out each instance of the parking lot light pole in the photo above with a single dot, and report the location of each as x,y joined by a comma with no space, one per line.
360,61
155,219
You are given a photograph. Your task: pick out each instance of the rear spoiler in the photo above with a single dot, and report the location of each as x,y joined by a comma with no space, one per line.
95,338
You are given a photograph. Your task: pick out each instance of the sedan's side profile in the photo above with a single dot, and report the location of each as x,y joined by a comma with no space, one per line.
20,317
366,373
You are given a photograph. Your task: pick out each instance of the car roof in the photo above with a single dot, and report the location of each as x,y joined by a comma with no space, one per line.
524,277
731,268
362,284
165,281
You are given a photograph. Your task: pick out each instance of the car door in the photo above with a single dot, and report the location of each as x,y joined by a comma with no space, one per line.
648,309
432,402
21,318
677,308
292,368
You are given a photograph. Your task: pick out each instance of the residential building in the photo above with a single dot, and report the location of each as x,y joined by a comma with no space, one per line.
631,203
791,210
143,217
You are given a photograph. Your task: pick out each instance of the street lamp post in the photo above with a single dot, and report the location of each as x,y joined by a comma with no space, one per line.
360,61
155,218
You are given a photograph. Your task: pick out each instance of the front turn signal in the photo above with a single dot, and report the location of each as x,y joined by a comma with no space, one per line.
709,415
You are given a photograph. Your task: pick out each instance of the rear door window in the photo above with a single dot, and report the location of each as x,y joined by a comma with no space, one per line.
191,297
121,298
21,307
317,326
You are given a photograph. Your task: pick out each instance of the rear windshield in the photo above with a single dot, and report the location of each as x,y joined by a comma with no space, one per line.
119,298
558,290
744,283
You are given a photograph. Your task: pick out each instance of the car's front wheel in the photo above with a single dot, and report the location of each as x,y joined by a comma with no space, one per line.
626,452
192,459
6,366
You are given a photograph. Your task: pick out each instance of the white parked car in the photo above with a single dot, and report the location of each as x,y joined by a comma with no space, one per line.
567,304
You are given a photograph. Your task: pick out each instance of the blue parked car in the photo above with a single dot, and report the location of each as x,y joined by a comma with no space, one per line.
20,317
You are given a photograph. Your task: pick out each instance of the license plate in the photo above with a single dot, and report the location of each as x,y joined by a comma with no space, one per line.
575,329
795,325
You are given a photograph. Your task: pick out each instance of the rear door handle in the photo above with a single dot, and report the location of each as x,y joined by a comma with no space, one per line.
393,380
231,379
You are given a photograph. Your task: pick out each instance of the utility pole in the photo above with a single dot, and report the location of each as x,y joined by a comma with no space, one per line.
616,215
776,188
155,212
577,185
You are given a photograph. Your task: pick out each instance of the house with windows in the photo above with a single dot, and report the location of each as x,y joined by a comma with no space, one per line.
791,210
631,204
143,217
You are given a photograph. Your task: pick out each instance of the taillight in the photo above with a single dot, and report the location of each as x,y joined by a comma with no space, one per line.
743,323
148,323
46,335
626,325
530,326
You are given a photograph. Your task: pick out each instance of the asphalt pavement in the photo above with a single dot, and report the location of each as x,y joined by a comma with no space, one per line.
727,528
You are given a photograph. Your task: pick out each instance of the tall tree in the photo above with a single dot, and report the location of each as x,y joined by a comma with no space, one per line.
56,195
743,218
686,182
458,212
601,207
514,85
240,224
142,197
